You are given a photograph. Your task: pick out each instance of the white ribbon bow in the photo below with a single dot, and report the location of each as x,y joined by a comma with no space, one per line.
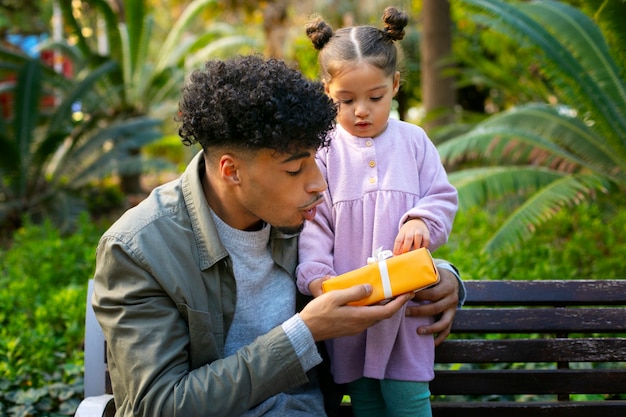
379,256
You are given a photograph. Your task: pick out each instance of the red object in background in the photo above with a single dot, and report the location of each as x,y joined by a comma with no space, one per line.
48,57
51,58
6,99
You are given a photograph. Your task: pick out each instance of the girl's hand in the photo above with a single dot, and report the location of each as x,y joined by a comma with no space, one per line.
316,286
413,235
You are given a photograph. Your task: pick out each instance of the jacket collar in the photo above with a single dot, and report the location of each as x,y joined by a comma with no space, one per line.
209,246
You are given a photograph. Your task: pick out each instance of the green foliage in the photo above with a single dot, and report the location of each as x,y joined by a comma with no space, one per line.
49,155
151,62
552,155
59,397
43,287
582,242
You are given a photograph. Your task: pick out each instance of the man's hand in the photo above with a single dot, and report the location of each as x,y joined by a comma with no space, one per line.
328,316
444,298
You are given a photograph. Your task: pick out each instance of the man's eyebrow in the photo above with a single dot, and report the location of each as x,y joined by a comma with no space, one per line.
296,156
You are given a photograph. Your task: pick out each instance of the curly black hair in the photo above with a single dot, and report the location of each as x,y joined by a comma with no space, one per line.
254,103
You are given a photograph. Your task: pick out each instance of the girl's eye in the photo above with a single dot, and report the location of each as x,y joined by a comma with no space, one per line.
346,101
294,173
376,98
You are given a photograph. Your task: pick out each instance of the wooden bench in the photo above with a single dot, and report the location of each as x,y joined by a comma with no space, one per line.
527,348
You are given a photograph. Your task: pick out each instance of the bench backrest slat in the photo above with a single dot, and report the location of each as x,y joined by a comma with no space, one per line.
527,409
549,292
518,382
532,350
540,320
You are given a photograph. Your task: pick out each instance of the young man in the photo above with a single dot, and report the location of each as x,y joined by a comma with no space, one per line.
194,287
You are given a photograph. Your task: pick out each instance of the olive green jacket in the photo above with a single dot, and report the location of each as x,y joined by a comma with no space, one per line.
165,297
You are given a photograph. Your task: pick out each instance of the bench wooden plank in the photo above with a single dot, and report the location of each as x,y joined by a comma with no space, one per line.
525,409
540,320
521,381
548,292
532,350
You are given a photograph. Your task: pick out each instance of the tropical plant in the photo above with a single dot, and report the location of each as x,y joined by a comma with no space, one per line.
47,156
151,63
542,157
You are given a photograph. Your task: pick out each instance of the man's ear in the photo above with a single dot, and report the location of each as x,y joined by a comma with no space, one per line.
228,169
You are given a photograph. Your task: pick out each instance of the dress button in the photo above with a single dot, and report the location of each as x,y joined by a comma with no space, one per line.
372,180
369,143
372,164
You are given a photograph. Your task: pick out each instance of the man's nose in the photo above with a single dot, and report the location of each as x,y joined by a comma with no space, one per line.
318,183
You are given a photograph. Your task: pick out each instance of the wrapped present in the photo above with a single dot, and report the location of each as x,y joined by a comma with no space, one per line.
389,275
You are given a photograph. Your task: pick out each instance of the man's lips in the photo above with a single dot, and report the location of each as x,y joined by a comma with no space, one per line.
309,213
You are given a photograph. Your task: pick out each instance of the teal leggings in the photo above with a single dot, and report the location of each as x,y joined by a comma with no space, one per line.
389,398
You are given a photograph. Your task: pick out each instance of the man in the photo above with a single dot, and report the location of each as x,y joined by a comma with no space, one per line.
194,287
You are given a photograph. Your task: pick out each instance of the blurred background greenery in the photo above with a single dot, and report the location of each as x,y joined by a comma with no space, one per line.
526,101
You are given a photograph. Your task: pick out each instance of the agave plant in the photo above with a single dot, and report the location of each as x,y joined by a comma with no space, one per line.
151,68
553,155
47,156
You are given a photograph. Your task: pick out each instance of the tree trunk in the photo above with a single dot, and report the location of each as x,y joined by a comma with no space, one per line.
436,47
275,27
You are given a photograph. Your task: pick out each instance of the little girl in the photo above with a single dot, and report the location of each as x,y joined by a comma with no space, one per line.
387,188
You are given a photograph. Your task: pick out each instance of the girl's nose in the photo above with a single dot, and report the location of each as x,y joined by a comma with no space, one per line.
361,110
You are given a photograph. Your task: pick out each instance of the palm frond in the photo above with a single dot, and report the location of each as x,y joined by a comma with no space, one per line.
96,152
564,66
11,61
577,33
541,207
62,115
135,13
26,115
60,125
478,186
552,132
190,44
224,44
609,15
142,73
168,56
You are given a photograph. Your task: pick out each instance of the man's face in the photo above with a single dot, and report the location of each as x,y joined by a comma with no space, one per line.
280,189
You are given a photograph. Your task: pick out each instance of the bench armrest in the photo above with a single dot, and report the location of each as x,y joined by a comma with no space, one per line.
96,406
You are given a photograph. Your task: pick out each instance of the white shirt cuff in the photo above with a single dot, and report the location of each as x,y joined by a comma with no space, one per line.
302,341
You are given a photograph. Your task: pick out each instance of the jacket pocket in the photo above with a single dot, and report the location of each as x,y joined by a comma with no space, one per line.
206,335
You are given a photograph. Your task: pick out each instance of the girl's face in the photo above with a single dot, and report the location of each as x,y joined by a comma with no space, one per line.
364,94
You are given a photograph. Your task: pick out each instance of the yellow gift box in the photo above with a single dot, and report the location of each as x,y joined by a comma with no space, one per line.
389,276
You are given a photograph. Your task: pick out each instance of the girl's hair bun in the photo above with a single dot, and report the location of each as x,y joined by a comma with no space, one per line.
394,23
319,32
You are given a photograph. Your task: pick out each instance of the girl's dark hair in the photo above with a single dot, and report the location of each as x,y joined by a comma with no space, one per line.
252,103
352,44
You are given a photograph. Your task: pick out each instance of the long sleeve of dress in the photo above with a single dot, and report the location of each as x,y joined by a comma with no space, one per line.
316,243
438,200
